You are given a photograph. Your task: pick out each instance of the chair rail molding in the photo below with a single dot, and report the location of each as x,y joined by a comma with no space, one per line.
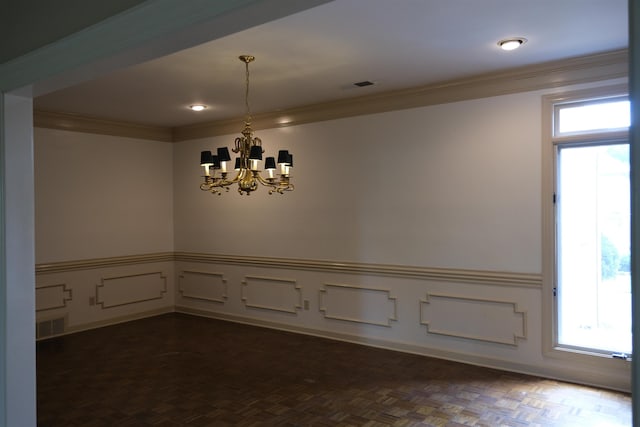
86,264
496,278
483,277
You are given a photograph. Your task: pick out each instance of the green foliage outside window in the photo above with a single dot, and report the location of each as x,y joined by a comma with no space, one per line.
610,259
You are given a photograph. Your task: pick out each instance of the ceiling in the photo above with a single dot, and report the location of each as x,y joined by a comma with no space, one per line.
316,55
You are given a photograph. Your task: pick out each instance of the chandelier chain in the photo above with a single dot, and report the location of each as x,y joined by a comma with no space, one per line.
246,94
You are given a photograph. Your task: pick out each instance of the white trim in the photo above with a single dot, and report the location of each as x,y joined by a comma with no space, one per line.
565,72
18,279
451,333
483,277
323,306
3,270
79,123
549,179
494,278
66,295
112,279
85,264
223,281
296,288
603,66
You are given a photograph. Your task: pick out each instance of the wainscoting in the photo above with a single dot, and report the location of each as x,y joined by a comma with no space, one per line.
488,320
79,295
485,318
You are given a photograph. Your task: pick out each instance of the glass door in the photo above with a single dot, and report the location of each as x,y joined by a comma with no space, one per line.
593,289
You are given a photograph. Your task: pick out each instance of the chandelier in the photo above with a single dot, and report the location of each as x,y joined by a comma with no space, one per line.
247,165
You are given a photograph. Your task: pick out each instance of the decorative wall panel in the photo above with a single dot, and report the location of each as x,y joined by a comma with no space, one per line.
203,285
271,293
50,297
130,289
473,318
357,304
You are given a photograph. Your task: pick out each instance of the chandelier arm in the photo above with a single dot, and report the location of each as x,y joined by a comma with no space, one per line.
287,187
209,185
277,186
212,183
265,182
225,182
280,189
213,187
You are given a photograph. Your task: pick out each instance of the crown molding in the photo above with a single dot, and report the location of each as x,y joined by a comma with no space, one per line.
565,72
86,124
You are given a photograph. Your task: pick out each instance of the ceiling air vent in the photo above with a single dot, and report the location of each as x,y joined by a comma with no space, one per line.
364,83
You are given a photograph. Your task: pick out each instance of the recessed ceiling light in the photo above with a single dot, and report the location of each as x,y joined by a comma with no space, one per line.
197,107
284,120
511,44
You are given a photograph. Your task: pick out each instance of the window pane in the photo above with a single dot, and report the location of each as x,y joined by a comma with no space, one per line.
592,117
594,281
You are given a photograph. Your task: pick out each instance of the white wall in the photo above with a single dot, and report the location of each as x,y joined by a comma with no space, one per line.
455,185
101,196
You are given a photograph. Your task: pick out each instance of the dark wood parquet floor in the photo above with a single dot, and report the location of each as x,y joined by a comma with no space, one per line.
179,370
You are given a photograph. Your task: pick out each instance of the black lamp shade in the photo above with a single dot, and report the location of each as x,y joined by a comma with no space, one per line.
237,163
256,153
270,163
283,156
290,160
223,154
216,162
206,158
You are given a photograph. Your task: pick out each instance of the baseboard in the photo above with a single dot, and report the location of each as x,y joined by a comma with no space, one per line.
583,377
112,321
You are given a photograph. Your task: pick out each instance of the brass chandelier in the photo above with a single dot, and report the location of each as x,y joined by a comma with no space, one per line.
247,165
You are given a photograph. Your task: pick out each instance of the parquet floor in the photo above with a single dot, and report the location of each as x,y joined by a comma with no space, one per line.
179,370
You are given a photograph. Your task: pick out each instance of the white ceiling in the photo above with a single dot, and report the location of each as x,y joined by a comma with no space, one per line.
318,54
